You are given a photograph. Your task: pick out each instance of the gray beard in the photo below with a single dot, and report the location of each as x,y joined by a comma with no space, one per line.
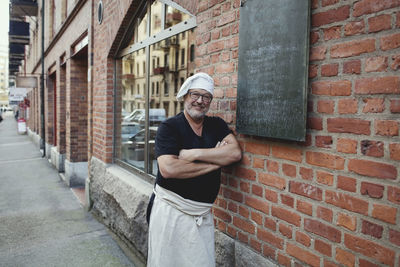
193,113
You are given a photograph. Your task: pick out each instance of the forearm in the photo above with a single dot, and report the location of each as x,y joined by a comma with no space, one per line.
225,153
173,167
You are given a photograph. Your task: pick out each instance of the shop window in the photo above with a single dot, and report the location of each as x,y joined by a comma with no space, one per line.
153,102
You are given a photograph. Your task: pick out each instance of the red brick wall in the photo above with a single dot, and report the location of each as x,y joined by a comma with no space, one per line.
61,109
333,200
77,110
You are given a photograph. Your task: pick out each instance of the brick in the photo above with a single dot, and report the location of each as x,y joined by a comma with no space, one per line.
324,213
314,123
270,223
227,67
244,212
303,255
376,64
283,260
323,230
332,33
371,6
314,37
325,160
374,105
352,48
347,221
372,229
215,46
372,169
352,67
324,178
257,218
244,225
331,88
384,213
257,190
223,215
285,230
270,238
326,106
245,187
255,245
393,194
354,27
395,106
386,128
394,151
317,53
268,251
272,180
372,148
330,16
395,62
257,204
347,106
329,2
258,163
346,183
344,125
231,194
245,173
286,215
289,170
365,263
398,20
306,174
390,42
306,190
227,17
380,23
323,141
329,70
345,145
372,190
312,71
345,257
394,237
323,247
287,153
347,202
272,166
378,85
287,200
257,148
370,249
330,264
271,195
303,239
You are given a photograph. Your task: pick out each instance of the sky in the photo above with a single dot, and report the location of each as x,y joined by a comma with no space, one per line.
4,22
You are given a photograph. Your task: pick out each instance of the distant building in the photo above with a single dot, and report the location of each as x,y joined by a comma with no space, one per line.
4,76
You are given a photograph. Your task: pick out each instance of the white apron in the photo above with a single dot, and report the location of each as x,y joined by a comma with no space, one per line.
181,232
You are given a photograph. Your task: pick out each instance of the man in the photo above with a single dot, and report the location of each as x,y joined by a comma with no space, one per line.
191,148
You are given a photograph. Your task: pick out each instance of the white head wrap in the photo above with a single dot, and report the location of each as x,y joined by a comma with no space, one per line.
200,80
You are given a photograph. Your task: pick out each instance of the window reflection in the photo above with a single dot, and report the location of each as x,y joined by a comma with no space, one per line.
133,121
170,63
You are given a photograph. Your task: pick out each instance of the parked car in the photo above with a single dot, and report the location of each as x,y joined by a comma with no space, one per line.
128,130
156,116
133,149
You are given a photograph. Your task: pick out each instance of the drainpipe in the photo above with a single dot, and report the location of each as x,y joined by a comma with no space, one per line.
42,117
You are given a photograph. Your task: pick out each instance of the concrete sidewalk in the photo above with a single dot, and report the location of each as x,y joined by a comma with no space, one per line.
42,223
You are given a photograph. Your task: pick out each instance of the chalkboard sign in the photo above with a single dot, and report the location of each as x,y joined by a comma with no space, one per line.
273,68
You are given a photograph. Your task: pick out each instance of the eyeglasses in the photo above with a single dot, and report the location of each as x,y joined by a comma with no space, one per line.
205,97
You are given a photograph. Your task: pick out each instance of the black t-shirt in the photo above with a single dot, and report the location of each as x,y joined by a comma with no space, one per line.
175,134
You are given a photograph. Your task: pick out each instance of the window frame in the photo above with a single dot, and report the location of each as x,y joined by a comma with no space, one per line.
165,33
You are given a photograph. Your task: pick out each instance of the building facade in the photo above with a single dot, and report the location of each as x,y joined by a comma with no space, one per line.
113,68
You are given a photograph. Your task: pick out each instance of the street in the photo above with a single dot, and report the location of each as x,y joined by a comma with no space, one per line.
42,222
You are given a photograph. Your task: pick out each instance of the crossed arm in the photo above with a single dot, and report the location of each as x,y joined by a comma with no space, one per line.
194,162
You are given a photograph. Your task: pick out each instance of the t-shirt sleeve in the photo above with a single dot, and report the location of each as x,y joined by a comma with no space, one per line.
223,128
166,140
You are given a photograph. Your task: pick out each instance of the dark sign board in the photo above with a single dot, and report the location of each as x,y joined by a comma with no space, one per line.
273,68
